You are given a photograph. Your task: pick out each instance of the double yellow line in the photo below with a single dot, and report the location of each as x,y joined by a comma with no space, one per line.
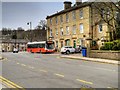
10,84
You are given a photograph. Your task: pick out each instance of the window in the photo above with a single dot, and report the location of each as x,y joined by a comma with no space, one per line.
81,41
100,28
67,30
61,18
67,17
51,21
56,31
81,13
73,15
56,20
81,28
61,31
74,29
51,33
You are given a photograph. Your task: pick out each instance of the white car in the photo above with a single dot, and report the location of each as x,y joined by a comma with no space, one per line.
15,50
67,50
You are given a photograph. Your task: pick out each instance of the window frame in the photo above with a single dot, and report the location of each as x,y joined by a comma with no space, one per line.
81,28
74,29
100,28
61,31
81,13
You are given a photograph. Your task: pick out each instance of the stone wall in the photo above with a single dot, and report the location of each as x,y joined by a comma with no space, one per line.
114,55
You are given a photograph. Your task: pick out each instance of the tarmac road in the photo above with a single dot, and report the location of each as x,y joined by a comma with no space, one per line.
31,70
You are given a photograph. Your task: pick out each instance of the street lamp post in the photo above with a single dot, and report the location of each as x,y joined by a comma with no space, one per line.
30,23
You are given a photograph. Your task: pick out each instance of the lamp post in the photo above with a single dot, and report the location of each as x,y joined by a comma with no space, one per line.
30,23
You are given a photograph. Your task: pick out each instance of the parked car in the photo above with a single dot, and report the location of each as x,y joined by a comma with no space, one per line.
15,50
78,49
67,50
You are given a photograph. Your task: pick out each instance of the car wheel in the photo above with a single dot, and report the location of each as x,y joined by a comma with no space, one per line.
67,52
62,53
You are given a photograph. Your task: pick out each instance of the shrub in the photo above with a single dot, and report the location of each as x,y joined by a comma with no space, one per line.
118,45
115,47
108,45
102,48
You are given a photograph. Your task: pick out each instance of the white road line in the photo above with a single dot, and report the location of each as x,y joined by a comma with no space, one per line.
18,63
23,64
43,70
31,67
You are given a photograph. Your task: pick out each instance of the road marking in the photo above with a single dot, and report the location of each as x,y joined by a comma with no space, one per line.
11,84
23,64
84,81
31,67
18,63
60,75
112,88
43,70
3,59
8,85
109,87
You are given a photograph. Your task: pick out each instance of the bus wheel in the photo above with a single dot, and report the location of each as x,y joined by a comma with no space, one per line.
40,51
31,51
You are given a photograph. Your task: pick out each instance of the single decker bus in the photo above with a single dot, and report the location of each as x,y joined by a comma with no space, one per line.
41,47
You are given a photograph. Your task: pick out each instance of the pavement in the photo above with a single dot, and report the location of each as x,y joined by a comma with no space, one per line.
80,57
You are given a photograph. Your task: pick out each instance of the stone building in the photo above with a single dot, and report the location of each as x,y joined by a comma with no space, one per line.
23,37
73,25
8,44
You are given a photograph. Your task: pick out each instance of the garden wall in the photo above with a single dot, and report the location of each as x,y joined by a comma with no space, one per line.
114,55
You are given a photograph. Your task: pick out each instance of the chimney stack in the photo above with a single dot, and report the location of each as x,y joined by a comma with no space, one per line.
67,4
78,2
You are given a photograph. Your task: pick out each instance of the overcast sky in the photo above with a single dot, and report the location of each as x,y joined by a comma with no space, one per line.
16,13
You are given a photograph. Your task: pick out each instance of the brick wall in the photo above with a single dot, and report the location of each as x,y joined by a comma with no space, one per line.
115,55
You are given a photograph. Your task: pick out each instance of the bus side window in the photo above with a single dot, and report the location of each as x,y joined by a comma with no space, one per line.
43,45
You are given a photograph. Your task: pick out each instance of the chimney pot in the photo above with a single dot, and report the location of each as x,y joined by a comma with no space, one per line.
78,2
67,4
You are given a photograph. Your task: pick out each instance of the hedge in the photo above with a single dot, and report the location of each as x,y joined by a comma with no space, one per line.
115,45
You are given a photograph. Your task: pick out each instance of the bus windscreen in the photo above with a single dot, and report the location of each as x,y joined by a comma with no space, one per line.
50,45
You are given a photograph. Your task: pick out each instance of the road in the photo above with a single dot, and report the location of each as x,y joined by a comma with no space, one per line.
31,70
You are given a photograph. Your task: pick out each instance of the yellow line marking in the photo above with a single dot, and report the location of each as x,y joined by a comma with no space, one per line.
84,81
8,85
23,64
43,70
60,75
11,84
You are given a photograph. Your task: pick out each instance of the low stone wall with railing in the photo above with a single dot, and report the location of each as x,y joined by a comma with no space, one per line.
114,55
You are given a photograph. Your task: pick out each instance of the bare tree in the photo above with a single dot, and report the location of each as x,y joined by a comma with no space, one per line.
42,25
108,12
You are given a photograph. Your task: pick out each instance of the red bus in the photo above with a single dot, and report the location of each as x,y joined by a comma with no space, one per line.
41,47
